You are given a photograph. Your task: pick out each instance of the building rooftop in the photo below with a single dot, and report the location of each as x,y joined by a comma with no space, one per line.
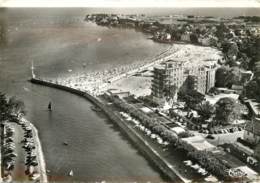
254,126
184,63
251,174
178,130
254,106
199,143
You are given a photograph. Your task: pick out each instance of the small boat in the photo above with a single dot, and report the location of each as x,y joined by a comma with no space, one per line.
97,109
49,106
71,173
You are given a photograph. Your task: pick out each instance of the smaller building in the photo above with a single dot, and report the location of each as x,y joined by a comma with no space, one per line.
246,76
252,131
237,89
197,143
253,107
119,93
244,170
178,130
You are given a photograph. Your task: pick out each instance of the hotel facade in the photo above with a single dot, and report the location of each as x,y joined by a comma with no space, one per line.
184,76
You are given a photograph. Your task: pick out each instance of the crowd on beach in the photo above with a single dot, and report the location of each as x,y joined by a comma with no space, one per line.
96,82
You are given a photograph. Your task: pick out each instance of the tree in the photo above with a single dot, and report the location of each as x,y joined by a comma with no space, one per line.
191,98
221,30
226,77
244,61
159,128
234,77
170,136
10,108
206,110
232,51
252,51
210,162
227,109
221,75
252,90
17,106
4,109
194,38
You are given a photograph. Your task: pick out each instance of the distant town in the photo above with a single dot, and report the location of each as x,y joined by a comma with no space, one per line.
193,110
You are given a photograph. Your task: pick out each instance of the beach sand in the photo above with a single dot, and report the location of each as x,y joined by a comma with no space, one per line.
137,85
97,82
141,85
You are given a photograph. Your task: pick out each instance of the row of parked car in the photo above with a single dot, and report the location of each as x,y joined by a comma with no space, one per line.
221,131
8,152
227,130
30,149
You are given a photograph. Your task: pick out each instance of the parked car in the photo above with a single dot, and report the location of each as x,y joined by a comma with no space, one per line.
210,137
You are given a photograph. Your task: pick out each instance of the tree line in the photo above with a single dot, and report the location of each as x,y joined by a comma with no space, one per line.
11,108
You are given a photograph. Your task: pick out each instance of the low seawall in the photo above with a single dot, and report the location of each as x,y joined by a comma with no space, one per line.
143,146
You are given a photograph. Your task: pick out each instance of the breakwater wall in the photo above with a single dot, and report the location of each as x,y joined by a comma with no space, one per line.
142,145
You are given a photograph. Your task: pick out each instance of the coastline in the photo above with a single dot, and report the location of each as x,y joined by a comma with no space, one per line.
40,157
77,86
96,83
142,145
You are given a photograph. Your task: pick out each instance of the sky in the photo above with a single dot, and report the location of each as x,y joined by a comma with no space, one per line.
130,3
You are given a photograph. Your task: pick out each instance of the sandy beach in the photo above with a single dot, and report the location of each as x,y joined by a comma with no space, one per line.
140,85
97,82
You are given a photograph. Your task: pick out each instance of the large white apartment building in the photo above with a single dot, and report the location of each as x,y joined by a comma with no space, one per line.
184,76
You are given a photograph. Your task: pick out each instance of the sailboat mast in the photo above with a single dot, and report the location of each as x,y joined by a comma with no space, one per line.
32,69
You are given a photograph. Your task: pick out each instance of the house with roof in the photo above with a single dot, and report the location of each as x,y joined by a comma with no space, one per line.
252,131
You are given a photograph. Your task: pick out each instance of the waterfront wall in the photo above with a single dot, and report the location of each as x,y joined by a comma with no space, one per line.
143,146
